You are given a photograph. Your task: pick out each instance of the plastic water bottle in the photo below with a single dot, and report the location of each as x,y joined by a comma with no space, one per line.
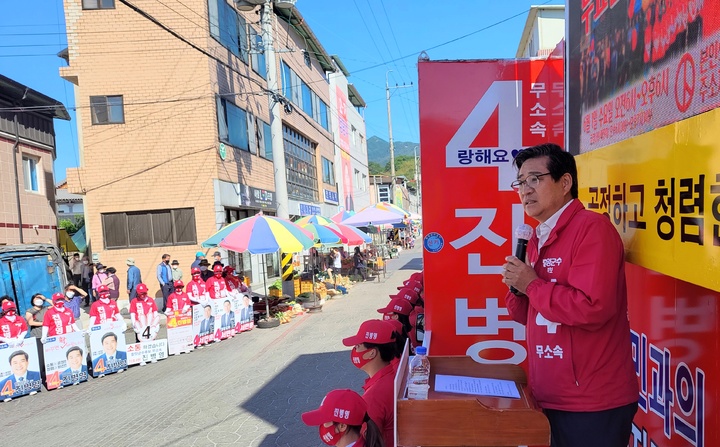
419,379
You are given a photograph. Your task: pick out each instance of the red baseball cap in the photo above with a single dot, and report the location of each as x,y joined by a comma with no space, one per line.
397,306
7,305
397,326
344,406
377,332
194,271
418,276
407,294
58,297
411,284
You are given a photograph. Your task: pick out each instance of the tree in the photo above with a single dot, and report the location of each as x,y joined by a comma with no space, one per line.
375,168
72,226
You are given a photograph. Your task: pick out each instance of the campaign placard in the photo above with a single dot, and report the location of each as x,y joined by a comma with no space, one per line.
61,360
245,315
225,311
180,332
147,351
19,369
107,348
203,324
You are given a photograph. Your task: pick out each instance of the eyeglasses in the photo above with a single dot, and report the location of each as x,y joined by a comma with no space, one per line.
531,180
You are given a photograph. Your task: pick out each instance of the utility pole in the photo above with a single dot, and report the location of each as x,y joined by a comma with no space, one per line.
276,132
390,137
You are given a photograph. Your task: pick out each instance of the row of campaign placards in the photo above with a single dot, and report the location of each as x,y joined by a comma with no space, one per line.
68,361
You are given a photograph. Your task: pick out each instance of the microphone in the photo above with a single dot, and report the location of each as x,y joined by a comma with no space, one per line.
523,233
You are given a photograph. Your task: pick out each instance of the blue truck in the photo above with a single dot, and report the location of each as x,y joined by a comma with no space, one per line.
29,269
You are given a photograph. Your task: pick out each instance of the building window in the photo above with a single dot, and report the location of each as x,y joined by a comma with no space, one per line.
324,116
257,53
228,27
363,185
384,193
300,166
306,57
149,228
98,4
353,135
265,145
30,176
107,109
307,99
328,171
232,124
357,179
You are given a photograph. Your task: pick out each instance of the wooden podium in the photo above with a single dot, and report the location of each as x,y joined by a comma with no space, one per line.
454,420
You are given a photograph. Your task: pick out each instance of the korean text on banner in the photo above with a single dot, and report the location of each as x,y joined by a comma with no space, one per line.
107,348
19,369
474,116
147,351
61,360
180,332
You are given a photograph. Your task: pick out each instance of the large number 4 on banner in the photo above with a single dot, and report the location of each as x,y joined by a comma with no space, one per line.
506,97
8,389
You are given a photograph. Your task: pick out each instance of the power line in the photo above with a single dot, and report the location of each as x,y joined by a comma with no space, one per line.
485,28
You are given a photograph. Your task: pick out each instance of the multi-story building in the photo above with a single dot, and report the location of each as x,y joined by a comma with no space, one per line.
174,124
27,153
351,157
544,29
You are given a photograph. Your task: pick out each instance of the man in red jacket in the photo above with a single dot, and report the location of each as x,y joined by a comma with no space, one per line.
573,299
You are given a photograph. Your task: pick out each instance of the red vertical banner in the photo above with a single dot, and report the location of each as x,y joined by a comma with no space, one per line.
474,116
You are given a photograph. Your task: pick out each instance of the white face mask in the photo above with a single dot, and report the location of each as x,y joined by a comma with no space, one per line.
69,294
11,317
203,268
105,300
37,303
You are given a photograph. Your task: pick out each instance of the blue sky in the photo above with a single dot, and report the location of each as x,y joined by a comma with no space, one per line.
363,33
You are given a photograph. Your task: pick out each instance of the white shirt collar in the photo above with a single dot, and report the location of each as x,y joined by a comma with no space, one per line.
544,229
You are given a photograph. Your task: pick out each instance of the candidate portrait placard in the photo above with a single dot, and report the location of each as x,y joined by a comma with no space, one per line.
226,316
203,324
147,351
180,336
61,355
19,369
107,348
245,314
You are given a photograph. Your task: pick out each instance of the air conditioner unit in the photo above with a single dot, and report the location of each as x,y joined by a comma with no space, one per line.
284,3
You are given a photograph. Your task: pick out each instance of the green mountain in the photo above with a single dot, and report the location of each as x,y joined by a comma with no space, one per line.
379,157
379,149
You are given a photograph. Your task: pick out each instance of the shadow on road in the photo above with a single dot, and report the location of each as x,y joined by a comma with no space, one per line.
301,387
413,264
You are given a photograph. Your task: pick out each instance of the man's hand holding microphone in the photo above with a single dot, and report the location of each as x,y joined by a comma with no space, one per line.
516,273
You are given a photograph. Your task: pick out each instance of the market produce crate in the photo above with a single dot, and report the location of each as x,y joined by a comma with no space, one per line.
275,293
306,286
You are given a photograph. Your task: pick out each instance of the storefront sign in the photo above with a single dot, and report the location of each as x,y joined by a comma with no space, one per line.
331,197
309,210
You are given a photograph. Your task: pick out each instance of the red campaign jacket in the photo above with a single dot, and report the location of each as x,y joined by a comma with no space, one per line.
578,334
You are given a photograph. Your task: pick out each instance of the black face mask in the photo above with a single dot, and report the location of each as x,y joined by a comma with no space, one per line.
167,262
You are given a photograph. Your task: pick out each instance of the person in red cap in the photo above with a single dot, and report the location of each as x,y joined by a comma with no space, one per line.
398,309
374,348
144,315
196,288
58,319
343,421
234,283
413,297
216,286
12,328
104,309
178,301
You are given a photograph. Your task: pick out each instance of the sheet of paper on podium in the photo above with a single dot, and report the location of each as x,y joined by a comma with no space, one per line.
476,386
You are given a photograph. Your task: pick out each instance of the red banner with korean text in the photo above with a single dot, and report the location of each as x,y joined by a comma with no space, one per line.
637,65
474,116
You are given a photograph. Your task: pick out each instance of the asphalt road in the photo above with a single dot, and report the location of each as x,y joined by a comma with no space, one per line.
246,391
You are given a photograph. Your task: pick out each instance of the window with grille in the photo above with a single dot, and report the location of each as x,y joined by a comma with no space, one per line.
149,228
300,166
